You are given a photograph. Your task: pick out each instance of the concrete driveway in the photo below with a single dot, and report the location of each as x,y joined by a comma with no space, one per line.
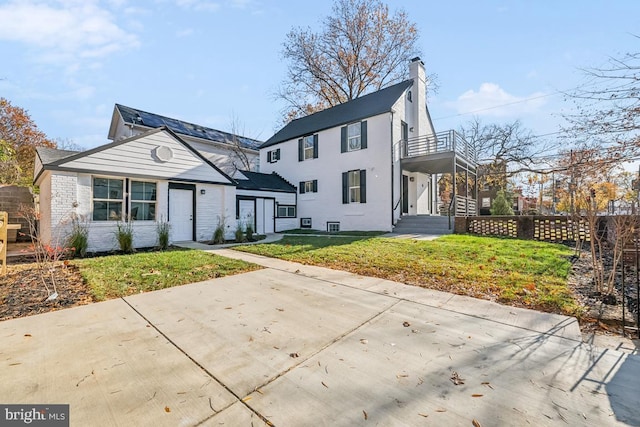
294,345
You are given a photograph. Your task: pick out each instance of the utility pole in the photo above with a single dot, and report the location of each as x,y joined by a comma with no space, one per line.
572,185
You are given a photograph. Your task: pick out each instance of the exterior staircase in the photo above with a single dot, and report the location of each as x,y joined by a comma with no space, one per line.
423,224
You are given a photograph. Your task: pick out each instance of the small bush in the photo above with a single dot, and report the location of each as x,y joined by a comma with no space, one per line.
218,234
502,204
163,228
249,232
239,233
124,236
78,239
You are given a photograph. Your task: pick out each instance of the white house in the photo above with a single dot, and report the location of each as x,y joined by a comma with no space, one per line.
363,164
149,177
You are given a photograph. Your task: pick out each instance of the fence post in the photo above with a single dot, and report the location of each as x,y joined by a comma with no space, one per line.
4,221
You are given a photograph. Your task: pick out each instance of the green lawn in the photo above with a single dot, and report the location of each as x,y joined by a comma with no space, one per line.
115,276
517,272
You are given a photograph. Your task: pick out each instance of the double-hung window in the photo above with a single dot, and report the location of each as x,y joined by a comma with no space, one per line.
354,186
273,156
308,148
308,186
108,199
353,137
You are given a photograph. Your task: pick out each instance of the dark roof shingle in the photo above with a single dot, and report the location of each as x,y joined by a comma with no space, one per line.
51,155
264,181
357,109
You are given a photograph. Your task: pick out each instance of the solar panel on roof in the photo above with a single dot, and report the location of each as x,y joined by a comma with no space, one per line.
151,120
154,121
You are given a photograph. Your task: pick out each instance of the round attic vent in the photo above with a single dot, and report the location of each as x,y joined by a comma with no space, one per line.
164,154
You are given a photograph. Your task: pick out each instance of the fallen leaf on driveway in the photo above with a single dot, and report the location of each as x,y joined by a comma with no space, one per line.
477,395
455,378
166,409
406,324
363,341
476,423
365,415
423,415
294,355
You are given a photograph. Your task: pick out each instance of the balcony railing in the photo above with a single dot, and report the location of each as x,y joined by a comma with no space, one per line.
442,142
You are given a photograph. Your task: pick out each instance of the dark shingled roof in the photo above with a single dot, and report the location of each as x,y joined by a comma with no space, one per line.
264,181
139,117
50,155
360,108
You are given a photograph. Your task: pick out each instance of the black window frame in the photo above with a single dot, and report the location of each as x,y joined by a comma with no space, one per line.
344,137
346,188
302,150
287,207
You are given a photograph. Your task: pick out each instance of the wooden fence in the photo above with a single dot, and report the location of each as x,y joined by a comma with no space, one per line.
4,222
557,229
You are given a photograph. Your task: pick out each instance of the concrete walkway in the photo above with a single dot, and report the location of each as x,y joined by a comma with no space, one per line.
298,345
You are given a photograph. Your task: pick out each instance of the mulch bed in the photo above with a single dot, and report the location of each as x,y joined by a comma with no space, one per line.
22,292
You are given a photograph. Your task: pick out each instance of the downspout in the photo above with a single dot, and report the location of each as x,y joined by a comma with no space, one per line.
392,169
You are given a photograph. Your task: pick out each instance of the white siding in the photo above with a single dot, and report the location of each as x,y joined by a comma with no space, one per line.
223,157
212,207
136,157
326,205
281,224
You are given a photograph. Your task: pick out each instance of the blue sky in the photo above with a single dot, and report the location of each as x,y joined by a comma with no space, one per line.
69,61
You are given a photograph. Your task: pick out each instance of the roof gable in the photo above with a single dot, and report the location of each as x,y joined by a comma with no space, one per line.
143,118
159,153
357,109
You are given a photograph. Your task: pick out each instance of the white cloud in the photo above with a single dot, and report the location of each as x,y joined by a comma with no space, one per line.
185,33
491,100
63,31
204,5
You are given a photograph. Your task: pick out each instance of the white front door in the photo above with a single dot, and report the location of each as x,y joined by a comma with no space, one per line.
181,214
268,215
247,213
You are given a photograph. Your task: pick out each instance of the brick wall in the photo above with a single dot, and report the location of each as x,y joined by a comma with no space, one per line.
12,198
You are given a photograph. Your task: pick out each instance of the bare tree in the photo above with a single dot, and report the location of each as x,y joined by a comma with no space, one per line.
608,106
361,48
68,144
240,157
504,150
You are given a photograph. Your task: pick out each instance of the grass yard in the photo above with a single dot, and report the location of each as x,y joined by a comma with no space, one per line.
115,276
516,272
